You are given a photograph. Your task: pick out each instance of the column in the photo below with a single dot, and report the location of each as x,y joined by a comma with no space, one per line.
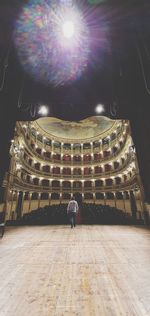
60,187
71,188
61,172
52,146
115,199
39,199
133,205
60,197
104,182
12,200
49,198
124,204
94,197
82,186
81,149
91,147
61,158
30,196
31,179
100,145
21,208
41,166
82,172
37,133
104,198
93,185
71,172
17,196
40,181
113,179
113,166
61,150
43,150
111,150
122,179
43,141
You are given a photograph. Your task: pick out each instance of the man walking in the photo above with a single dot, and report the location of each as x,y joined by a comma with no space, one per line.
72,210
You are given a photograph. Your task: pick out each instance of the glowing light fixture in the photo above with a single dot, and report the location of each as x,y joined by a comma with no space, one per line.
99,108
43,110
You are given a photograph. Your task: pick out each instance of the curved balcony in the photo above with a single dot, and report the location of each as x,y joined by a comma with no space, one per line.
20,185
110,173
74,163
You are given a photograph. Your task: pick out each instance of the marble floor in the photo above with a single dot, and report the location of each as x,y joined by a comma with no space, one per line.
85,271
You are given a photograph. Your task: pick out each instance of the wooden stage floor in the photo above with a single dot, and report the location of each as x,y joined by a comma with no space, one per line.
86,271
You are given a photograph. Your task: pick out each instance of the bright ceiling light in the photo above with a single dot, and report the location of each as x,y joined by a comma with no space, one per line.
43,110
99,108
68,29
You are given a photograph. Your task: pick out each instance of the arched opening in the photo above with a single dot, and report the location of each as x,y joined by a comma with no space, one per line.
66,196
36,181
77,184
88,196
34,196
45,183
44,196
66,184
55,196
55,184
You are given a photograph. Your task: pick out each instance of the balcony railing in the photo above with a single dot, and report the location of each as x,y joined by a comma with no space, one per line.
20,185
74,163
113,172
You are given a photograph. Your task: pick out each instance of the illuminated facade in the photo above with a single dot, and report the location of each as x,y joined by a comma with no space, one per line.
51,160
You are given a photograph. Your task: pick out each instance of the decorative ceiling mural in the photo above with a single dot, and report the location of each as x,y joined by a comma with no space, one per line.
87,128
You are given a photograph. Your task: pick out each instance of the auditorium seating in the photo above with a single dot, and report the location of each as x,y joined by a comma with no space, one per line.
89,214
104,214
56,214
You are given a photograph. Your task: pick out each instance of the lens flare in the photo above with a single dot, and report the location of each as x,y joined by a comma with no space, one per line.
52,42
56,41
68,29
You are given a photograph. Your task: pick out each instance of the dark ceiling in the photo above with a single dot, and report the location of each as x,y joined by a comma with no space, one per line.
120,81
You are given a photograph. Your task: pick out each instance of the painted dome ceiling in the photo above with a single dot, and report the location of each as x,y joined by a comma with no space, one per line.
85,129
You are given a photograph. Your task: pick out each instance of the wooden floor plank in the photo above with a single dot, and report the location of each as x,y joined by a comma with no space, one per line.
86,271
